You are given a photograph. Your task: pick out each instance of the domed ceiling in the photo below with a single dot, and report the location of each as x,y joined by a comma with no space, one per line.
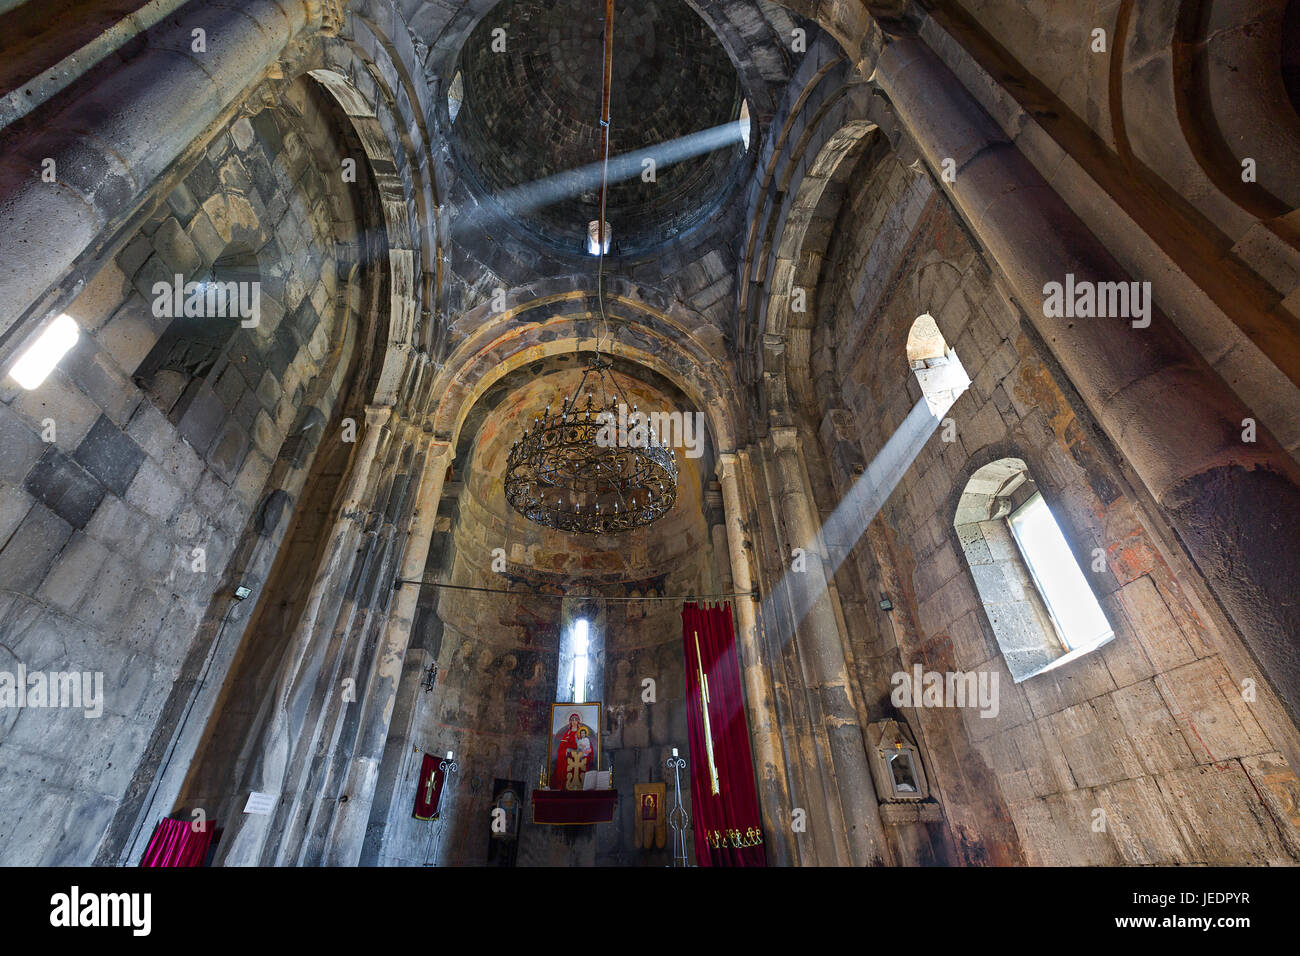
534,111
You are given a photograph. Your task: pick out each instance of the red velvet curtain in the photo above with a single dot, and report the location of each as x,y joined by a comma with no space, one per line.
728,831
177,843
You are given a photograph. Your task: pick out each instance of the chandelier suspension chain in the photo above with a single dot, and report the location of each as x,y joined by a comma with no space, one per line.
584,470
607,71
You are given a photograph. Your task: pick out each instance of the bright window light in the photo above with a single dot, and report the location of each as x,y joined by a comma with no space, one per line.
580,644
744,123
594,246
1074,609
36,363
455,96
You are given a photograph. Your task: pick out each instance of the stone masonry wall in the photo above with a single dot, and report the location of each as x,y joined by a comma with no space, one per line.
98,524
1153,728
498,654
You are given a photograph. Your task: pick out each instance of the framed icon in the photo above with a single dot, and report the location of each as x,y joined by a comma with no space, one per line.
575,743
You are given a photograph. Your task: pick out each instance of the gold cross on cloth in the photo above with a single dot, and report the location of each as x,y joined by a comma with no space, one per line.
704,708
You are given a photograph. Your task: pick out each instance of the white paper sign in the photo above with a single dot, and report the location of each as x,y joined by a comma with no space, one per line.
260,803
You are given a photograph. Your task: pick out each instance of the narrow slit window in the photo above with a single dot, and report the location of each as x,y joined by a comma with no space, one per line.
455,96
581,642
936,366
1074,610
39,359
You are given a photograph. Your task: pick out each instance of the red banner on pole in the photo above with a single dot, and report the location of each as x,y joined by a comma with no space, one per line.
728,831
428,792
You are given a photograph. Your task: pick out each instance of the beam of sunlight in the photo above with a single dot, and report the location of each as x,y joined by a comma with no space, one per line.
545,192
853,514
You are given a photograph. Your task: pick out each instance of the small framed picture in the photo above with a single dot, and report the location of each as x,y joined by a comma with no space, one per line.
575,743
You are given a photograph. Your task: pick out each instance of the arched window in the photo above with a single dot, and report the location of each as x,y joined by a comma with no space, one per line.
1037,599
455,96
938,370
38,359
205,318
581,645
744,123
580,676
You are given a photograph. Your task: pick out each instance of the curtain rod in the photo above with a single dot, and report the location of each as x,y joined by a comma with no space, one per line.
657,597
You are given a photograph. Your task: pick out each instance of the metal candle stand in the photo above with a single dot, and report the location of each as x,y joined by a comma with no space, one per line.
447,768
678,818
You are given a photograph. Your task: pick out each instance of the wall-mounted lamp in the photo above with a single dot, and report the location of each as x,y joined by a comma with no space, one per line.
430,678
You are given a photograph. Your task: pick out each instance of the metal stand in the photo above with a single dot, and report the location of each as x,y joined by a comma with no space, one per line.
448,767
678,818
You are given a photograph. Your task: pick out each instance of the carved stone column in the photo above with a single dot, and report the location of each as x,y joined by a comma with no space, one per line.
271,747
716,517
378,700
823,652
772,788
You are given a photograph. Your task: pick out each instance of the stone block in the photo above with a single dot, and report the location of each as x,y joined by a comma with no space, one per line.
981,428
59,401
283,348
1154,732
1144,831
109,455
1157,631
154,271
1217,722
181,202
31,549
102,296
204,237
94,372
1216,807
118,527
150,429
203,419
153,492
64,487
229,450
1279,787
77,567
21,446
110,591
129,335
251,480
202,180
133,255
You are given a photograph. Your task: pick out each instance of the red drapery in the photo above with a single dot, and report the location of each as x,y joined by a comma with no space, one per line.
728,831
178,843
574,806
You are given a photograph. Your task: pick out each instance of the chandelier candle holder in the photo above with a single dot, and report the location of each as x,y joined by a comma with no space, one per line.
577,470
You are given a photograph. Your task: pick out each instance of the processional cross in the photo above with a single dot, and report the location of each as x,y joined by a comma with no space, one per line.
704,708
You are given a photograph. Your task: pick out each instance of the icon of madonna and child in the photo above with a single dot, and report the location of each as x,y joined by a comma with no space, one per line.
575,743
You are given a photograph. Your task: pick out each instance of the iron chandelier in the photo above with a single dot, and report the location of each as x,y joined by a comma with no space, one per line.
582,470
579,471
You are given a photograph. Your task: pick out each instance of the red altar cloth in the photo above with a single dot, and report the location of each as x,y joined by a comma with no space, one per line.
564,807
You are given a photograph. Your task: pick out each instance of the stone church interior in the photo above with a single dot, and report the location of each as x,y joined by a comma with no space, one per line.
650,433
